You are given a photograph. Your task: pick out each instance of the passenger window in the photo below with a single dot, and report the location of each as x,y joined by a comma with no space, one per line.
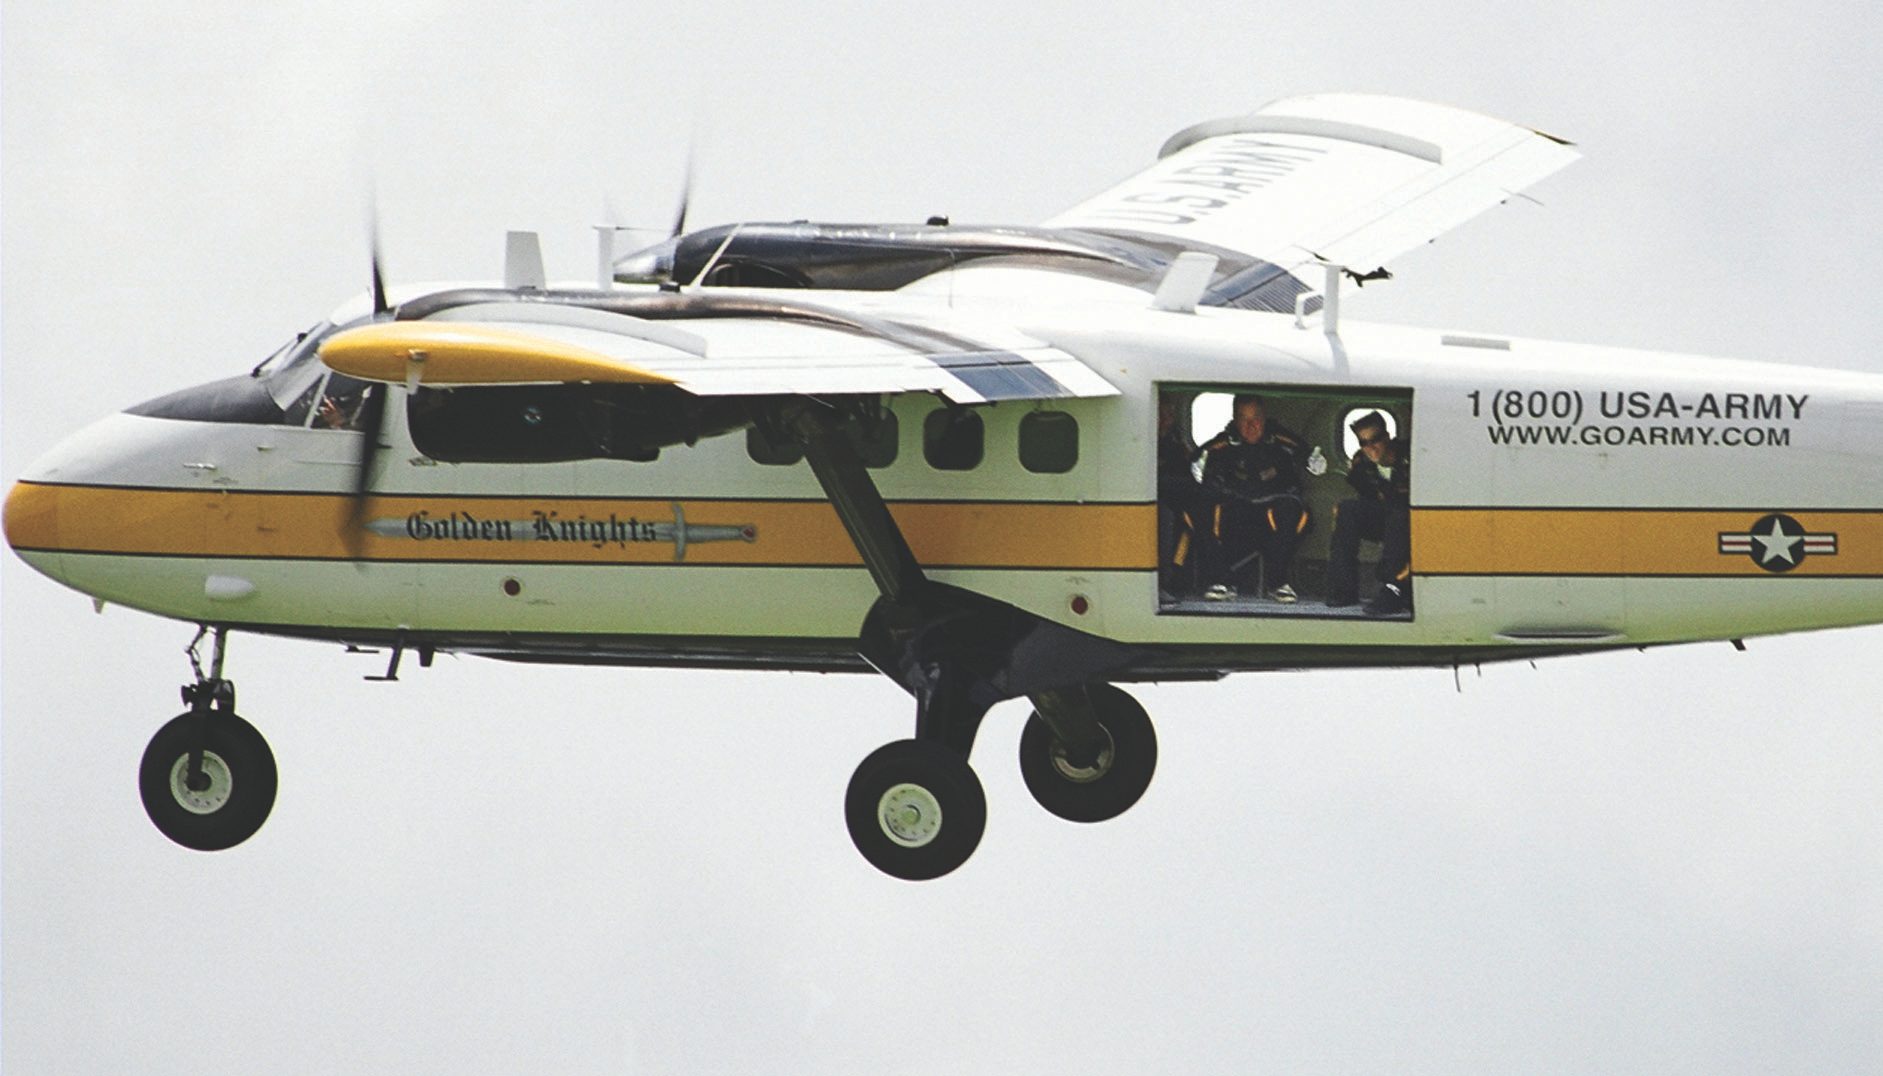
874,440
952,439
1049,442
762,449
1209,415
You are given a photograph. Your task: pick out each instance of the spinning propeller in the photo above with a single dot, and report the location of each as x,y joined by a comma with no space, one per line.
371,417
649,265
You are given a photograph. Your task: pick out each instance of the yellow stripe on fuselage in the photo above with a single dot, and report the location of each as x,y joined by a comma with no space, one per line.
1626,542
153,522
965,534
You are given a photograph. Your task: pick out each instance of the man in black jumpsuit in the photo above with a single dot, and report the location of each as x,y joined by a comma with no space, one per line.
1253,470
1381,476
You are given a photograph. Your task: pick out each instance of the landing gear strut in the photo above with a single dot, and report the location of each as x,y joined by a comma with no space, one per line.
915,808
208,778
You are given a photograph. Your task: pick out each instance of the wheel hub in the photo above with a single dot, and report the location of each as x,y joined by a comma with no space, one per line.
910,815
1092,771
210,792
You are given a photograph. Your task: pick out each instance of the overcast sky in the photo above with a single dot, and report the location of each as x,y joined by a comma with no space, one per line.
1658,862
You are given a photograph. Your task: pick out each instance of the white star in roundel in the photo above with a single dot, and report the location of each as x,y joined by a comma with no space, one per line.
1777,544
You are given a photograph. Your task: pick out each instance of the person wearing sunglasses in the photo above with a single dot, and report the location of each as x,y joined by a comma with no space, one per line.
1381,477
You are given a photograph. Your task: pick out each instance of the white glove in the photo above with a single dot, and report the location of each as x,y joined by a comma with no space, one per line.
1317,463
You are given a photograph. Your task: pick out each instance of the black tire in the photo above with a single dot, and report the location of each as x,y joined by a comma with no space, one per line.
242,776
915,810
1108,788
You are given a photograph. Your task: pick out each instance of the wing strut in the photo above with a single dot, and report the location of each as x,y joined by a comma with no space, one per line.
847,483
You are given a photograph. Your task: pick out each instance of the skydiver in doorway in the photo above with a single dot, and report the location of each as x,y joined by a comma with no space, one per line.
1381,477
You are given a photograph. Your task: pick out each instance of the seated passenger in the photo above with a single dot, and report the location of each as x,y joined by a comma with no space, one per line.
1381,476
1253,472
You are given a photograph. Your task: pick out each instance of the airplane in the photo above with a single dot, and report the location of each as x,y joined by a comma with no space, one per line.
1132,443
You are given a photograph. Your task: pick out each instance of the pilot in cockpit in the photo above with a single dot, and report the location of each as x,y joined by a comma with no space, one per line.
342,403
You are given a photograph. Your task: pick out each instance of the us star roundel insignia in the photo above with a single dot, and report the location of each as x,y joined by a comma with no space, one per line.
1778,543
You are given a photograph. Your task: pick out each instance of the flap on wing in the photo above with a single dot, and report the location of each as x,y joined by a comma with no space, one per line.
1349,178
807,351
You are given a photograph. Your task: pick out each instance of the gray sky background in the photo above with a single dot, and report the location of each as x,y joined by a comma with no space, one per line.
1667,862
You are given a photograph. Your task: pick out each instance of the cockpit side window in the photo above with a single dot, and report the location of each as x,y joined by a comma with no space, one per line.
342,402
289,372
297,412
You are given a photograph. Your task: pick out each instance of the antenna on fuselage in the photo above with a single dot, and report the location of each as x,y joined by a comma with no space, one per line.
523,262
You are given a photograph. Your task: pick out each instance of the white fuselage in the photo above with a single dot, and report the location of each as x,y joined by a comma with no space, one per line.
1564,496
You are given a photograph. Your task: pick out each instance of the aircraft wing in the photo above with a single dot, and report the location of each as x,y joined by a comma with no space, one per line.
1350,178
710,345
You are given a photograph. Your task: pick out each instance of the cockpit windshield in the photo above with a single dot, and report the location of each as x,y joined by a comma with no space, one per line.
291,370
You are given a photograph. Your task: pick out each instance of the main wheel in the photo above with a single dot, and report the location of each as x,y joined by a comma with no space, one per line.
915,809
228,801
1104,787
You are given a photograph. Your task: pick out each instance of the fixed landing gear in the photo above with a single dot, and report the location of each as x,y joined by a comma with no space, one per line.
1095,772
915,809
208,778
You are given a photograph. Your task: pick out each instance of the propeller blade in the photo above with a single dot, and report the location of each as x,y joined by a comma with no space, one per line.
686,196
380,305
371,423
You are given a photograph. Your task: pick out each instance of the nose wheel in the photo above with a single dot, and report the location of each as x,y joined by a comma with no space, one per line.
915,809
223,799
208,778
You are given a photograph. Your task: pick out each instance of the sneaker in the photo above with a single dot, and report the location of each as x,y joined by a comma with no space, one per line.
1390,601
1219,593
1284,594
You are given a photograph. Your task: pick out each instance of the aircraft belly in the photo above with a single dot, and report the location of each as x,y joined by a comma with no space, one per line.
252,590
1673,610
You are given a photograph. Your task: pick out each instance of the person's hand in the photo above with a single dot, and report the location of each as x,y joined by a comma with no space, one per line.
1317,463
